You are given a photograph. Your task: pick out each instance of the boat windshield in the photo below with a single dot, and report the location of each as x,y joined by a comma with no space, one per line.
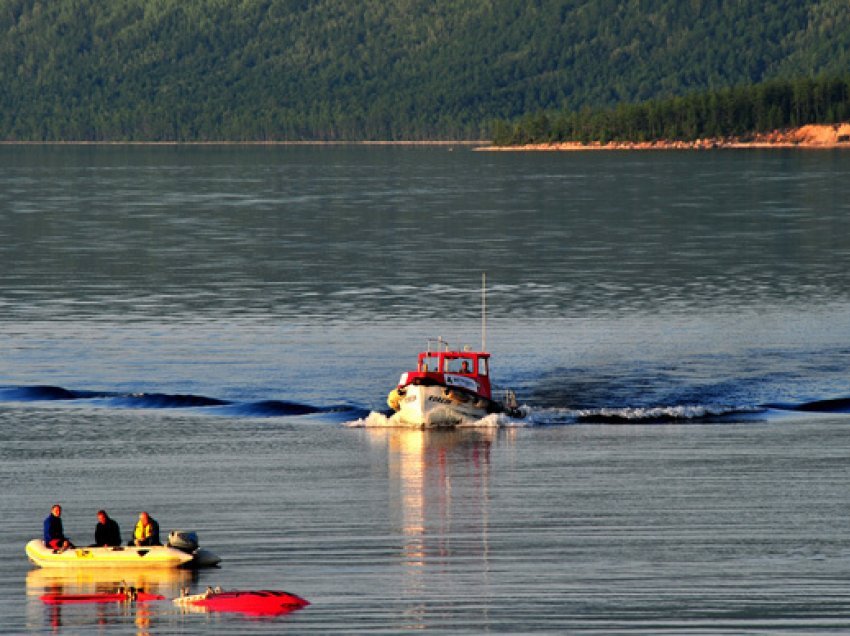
460,365
457,363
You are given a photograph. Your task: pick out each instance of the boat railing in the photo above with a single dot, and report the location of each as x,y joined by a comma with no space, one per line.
438,343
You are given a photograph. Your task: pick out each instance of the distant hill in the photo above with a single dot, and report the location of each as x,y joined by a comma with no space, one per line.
381,69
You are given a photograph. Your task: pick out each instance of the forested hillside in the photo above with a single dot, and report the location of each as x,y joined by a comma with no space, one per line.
728,112
381,69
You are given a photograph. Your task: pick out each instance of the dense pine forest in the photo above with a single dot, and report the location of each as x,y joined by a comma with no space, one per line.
382,69
736,112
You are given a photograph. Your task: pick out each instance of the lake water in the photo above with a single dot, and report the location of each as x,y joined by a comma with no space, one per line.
209,333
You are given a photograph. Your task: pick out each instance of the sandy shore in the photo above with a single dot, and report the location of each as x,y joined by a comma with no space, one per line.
450,144
810,136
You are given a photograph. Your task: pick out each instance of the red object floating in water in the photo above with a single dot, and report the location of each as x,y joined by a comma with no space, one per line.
254,602
100,597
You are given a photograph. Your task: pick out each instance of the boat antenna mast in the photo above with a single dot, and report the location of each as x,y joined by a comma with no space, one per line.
483,311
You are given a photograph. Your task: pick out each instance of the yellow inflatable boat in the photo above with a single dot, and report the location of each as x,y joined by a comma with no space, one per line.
159,556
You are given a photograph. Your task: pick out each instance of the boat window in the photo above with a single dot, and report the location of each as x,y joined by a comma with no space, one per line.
460,365
429,363
483,365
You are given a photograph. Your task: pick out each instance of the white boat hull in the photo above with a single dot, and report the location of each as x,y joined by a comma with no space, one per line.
120,557
435,406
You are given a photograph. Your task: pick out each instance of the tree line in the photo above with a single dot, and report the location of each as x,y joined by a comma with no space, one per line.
730,112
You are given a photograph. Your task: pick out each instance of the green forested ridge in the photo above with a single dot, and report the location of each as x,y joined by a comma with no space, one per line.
381,69
735,112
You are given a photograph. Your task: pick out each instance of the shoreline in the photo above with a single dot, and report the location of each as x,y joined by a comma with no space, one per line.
466,142
811,136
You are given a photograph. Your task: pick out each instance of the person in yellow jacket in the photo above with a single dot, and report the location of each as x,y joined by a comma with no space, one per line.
146,532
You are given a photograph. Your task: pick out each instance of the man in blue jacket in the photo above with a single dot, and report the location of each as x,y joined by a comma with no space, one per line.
54,534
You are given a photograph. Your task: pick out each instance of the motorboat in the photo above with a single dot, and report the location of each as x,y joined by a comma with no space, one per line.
249,602
181,551
448,387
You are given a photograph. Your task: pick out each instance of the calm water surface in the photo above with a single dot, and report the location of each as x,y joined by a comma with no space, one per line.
209,333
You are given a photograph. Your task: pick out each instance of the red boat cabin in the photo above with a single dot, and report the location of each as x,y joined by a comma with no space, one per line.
468,370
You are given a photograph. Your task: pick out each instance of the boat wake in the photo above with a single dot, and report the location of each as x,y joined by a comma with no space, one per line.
840,405
691,391
360,417
533,416
681,414
110,399
684,413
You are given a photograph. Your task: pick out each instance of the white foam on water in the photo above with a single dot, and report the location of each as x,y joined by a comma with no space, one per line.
494,420
636,415
373,420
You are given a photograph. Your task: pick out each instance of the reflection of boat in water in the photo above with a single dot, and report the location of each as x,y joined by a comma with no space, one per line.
93,581
438,505
447,388
122,594
163,581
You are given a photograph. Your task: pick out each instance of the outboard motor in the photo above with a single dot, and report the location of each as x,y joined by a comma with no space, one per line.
188,542
511,405
182,540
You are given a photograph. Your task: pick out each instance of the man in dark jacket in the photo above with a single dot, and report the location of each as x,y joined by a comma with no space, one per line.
107,532
54,533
